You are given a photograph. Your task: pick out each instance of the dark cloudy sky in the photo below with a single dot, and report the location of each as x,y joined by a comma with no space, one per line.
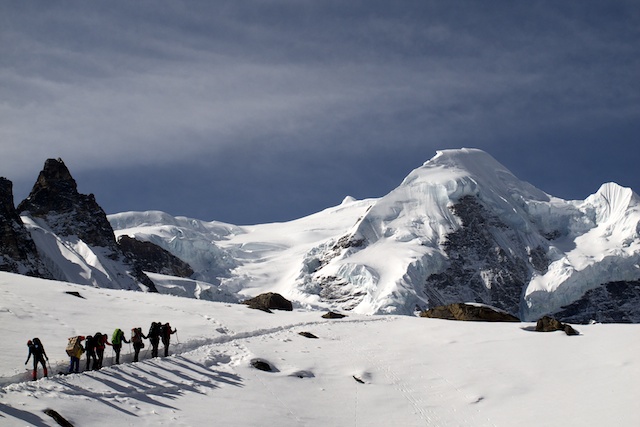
269,110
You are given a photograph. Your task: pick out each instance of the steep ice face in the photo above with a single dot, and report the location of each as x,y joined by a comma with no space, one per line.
600,244
402,235
531,255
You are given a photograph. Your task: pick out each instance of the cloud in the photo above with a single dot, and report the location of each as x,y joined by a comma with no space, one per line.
150,84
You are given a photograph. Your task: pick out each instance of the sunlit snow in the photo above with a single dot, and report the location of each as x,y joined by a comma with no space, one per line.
360,371
587,242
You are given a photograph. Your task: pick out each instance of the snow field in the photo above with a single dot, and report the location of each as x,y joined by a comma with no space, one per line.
361,371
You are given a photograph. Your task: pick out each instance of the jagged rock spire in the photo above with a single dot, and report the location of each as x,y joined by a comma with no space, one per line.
18,253
56,200
55,190
6,196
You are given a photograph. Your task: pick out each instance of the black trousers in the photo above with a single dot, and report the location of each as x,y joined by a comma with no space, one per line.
91,354
136,351
100,354
116,349
154,346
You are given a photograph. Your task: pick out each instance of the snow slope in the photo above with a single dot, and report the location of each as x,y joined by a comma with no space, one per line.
411,371
256,259
73,260
378,255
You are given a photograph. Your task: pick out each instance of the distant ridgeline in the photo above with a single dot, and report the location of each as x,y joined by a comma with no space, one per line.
459,229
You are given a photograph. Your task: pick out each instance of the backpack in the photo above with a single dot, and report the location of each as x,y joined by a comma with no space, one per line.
99,340
116,338
166,331
37,346
136,337
74,348
91,343
154,331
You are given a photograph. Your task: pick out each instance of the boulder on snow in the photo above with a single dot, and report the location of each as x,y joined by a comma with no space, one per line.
469,312
57,417
262,365
269,301
75,294
332,315
549,324
307,334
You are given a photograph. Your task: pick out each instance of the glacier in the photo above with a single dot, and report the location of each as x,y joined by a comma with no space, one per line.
459,228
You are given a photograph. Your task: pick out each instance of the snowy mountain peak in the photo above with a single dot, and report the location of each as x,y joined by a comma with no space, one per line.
389,261
612,202
73,235
459,228
473,171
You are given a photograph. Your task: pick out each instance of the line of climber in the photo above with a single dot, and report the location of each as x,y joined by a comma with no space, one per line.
95,345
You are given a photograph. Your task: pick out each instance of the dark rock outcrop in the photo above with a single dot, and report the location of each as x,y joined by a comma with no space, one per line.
332,315
469,312
269,301
307,334
55,200
481,269
151,257
549,324
613,302
262,365
18,252
58,418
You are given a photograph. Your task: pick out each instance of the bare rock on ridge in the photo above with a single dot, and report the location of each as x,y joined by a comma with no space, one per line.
18,252
55,200
481,267
151,257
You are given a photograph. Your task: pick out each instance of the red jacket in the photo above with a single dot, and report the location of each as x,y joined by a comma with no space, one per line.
101,343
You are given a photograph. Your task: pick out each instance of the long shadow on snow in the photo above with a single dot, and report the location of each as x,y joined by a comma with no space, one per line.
100,397
142,394
25,416
145,382
203,370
